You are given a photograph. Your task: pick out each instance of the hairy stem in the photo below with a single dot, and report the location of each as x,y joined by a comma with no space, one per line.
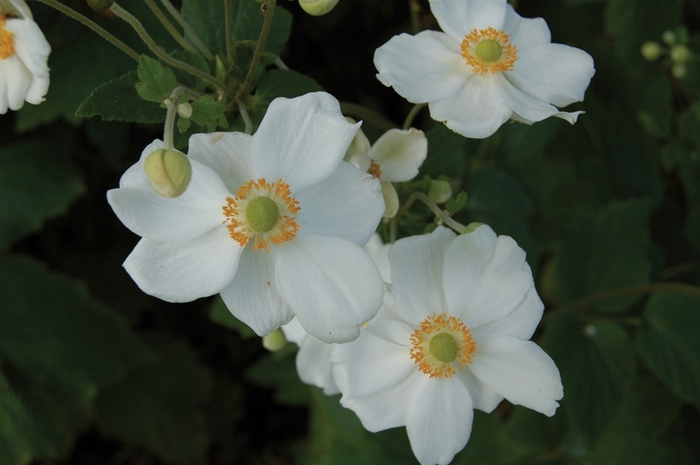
267,8
188,29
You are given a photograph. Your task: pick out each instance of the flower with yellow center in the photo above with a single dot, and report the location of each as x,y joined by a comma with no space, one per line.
488,66
274,222
24,52
456,340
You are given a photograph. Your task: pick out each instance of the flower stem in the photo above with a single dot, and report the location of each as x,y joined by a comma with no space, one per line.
169,26
246,118
267,8
169,130
94,26
414,9
188,29
442,215
412,115
141,31
366,115
228,8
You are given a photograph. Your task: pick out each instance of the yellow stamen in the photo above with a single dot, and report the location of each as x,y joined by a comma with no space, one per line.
488,50
441,346
248,214
374,169
7,41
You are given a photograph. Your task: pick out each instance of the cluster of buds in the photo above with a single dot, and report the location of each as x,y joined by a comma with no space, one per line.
675,48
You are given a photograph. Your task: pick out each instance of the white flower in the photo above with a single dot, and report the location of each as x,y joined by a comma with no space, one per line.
275,222
488,66
465,309
24,52
395,157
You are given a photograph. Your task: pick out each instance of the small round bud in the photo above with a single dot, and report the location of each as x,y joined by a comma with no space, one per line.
184,110
274,341
391,199
440,191
169,171
100,5
678,70
669,37
317,7
680,54
651,50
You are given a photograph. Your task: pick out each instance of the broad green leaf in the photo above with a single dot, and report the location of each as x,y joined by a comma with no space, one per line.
118,100
57,335
206,111
606,251
535,433
278,370
221,315
597,368
17,438
185,78
456,204
161,406
669,344
156,81
489,445
446,153
37,182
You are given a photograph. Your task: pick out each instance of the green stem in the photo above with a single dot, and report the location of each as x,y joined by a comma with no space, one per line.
169,26
267,8
412,115
169,130
228,8
687,289
366,115
442,215
188,29
681,268
414,9
94,26
246,118
141,31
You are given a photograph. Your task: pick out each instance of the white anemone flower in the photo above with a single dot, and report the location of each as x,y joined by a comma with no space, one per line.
275,222
488,66
24,52
395,157
465,308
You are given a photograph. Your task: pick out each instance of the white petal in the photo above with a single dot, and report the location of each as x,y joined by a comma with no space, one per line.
30,45
4,102
162,219
227,153
18,78
314,365
391,329
477,110
525,32
184,271
521,322
400,153
520,371
529,108
331,285
359,145
347,204
459,17
439,420
379,252
301,140
370,365
483,397
18,7
416,274
484,277
421,68
252,296
294,332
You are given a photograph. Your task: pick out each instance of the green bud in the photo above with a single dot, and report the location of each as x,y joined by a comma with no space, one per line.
440,191
274,341
471,227
391,199
100,5
651,50
169,171
678,70
317,7
680,54
669,37
184,110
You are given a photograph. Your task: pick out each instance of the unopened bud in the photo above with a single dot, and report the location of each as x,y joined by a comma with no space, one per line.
274,341
184,110
678,70
318,7
651,50
100,5
169,171
440,191
669,37
680,54
391,199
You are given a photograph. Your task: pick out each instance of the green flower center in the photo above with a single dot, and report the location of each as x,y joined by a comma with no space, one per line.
443,347
489,50
262,214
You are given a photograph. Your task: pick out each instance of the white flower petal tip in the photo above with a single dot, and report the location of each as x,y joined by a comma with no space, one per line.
399,154
489,66
453,341
24,54
274,222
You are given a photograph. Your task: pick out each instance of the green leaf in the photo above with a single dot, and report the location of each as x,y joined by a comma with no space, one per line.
156,81
17,438
161,406
194,59
597,368
669,345
118,100
605,251
206,111
446,153
56,334
692,226
36,183
456,204
278,371
221,315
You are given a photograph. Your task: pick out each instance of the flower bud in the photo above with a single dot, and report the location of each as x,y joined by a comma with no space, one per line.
100,5
274,341
669,37
471,227
678,70
184,110
169,171
318,7
440,191
391,199
651,50
680,54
